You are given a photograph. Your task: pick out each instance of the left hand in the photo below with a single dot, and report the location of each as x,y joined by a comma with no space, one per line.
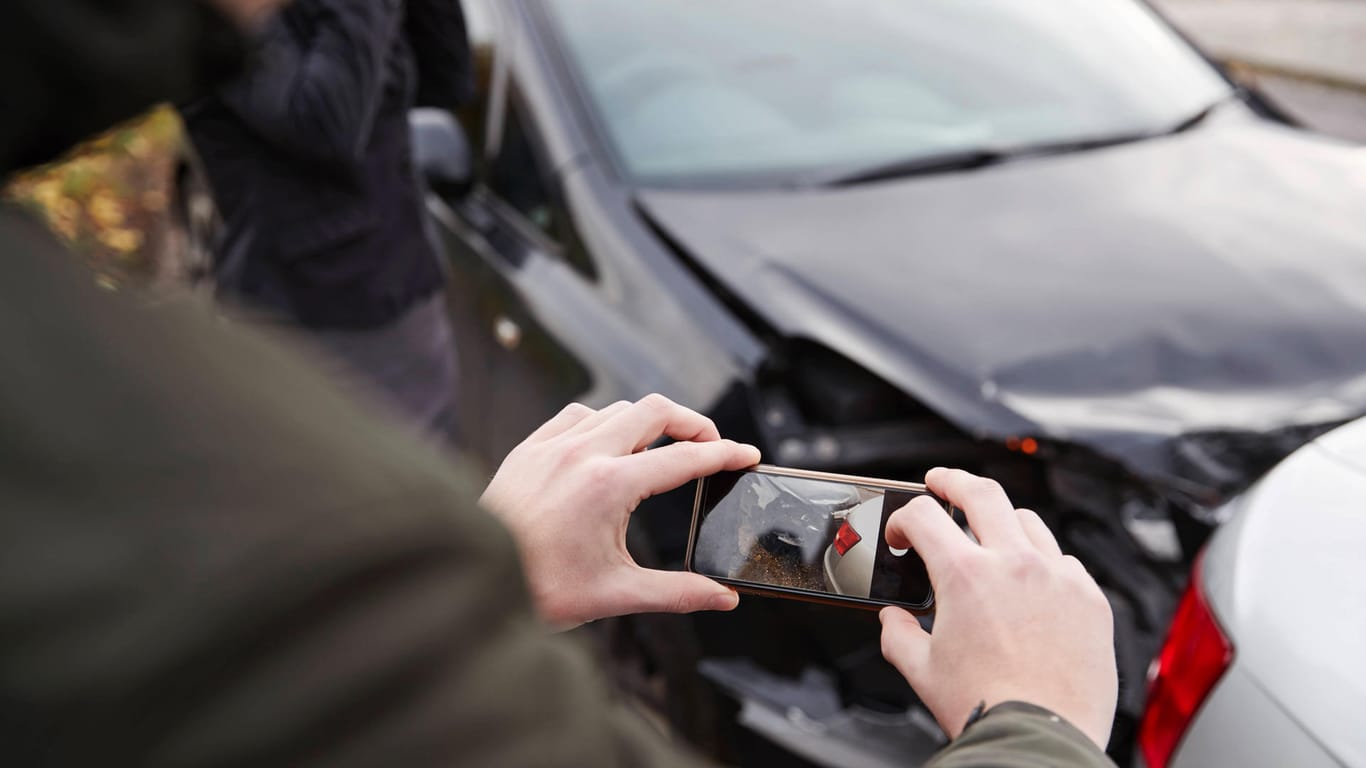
1017,620
568,491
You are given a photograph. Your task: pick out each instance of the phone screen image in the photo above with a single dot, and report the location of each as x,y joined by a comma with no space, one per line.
821,537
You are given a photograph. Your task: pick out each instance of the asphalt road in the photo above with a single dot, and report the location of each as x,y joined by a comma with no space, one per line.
1309,56
1333,111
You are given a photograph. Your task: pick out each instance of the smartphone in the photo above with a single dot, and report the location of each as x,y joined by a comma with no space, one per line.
807,535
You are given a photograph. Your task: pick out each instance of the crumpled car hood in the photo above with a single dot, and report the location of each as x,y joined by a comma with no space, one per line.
1192,307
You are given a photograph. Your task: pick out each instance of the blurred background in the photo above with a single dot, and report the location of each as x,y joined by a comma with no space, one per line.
119,200
1308,55
112,201
1142,284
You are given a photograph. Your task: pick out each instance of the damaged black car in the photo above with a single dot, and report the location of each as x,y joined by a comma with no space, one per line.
1048,242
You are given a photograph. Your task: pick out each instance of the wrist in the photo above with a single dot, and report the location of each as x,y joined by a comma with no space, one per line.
1019,707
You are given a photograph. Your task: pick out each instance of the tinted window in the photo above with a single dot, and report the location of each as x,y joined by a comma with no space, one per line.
479,23
762,88
516,175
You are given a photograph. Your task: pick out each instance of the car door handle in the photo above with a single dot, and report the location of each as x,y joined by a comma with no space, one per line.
507,332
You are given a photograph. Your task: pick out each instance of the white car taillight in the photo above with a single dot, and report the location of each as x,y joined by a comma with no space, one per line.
846,538
1192,660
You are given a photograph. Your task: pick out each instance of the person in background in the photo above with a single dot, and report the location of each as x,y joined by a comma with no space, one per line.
308,156
211,557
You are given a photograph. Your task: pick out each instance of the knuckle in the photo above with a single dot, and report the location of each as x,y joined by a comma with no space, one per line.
984,488
572,451
656,402
1087,584
1026,564
1078,570
1102,603
680,604
519,451
958,565
1096,594
599,471
889,645
689,453
576,409
711,424
1095,600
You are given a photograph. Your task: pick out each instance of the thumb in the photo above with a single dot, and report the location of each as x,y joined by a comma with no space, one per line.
676,592
905,644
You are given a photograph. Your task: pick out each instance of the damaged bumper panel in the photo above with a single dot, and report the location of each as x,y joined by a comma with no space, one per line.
1197,447
805,715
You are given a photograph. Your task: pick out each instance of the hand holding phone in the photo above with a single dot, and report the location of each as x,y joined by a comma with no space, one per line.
808,536
1017,619
567,492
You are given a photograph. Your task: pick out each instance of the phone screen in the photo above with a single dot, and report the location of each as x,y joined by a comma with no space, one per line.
817,536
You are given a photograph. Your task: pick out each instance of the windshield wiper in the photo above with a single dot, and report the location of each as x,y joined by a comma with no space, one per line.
968,160
918,165
1202,115
972,159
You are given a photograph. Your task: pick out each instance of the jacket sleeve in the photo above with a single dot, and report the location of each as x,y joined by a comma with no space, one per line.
214,558
318,77
69,68
1019,735
436,31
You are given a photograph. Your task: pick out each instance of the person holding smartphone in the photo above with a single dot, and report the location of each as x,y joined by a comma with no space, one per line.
1023,636
210,557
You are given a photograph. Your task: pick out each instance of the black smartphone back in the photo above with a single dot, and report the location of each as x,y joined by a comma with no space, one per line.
808,536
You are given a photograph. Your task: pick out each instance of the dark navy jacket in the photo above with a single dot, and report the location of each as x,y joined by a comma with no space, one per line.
308,156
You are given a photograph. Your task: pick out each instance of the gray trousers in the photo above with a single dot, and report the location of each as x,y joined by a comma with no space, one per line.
410,364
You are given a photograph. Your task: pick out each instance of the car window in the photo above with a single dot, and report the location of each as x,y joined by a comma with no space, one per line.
479,21
517,176
759,89
480,26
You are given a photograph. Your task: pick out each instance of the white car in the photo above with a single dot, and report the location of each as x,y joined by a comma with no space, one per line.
1265,664
849,558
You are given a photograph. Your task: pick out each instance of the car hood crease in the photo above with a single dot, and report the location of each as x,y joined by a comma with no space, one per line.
1191,307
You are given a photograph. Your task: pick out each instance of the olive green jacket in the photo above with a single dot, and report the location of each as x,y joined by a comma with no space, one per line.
208,557
1019,735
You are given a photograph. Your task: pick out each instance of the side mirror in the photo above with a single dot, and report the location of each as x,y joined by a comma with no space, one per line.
441,151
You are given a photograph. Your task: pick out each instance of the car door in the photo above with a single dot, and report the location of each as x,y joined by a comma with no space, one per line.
511,229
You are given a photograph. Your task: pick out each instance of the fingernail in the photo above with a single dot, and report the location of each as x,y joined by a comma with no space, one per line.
725,602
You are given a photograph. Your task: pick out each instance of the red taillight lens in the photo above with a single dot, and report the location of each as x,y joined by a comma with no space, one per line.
846,538
1192,660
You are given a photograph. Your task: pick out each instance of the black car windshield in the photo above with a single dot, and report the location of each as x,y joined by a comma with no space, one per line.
764,91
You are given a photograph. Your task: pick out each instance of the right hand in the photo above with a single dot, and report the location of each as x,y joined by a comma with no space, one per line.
1016,620
568,492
